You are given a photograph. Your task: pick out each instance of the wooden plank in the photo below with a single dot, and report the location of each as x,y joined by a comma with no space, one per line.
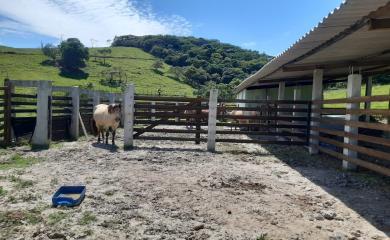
17,95
278,142
383,112
61,98
260,133
163,122
360,149
18,103
379,98
61,104
263,117
365,164
172,99
333,65
297,126
360,137
171,138
259,109
23,110
139,106
375,126
159,130
381,23
295,102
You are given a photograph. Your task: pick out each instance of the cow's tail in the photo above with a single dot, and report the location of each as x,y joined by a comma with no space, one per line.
93,127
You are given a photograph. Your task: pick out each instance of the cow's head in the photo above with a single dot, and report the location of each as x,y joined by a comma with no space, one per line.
114,108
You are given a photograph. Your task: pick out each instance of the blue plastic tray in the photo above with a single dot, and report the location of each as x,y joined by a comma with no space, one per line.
69,196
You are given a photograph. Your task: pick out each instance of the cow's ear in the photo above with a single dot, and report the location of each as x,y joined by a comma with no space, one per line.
110,108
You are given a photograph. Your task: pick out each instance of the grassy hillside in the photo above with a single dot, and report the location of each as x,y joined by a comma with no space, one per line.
342,93
28,64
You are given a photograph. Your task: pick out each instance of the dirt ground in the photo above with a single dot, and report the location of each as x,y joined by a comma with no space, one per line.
176,190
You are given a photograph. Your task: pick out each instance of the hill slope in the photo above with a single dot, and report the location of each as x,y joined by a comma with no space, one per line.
29,64
200,60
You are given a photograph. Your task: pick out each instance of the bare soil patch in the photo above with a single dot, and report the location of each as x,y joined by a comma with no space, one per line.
176,190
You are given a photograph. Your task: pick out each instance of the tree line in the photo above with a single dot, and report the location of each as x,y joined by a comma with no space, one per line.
198,61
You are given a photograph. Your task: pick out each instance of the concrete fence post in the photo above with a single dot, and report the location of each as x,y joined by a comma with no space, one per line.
74,125
128,102
212,123
353,90
153,111
317,87
111,98
41,136
177,111
96,98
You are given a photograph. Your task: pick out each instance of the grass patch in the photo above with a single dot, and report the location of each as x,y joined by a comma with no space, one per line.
87,218
20,217
56,217
3,192
263,236
17,161
342,93
21,183
27,64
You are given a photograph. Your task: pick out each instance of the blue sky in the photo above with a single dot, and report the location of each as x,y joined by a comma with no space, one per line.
267,26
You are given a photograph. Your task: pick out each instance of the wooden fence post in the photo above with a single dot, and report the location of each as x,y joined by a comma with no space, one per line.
212,123
128,102
7,113
41,136
74,126
198,121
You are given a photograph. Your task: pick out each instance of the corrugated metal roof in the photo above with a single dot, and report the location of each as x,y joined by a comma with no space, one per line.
340,19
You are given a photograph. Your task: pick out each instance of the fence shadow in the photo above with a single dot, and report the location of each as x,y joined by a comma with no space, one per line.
365,192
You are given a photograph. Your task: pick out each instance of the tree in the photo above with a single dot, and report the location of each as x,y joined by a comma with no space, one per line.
73,54
157,65
50,51
104,52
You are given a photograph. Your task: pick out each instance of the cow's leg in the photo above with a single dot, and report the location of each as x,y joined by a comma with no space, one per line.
113,137
107,134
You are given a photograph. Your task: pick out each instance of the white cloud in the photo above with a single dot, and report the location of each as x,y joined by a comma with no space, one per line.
87,19
249,44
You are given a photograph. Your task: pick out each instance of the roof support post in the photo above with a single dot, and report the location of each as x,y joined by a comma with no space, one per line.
281,96
353,90
367,105
317,88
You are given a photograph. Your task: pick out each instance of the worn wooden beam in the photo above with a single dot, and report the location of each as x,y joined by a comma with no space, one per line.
334,65
379,24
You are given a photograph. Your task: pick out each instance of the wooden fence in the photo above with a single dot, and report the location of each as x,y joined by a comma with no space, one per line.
152,111
283,122
346,134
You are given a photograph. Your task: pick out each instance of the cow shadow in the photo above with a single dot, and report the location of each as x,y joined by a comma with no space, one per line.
108,147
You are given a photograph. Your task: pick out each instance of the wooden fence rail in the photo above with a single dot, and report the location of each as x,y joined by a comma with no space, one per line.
367,146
